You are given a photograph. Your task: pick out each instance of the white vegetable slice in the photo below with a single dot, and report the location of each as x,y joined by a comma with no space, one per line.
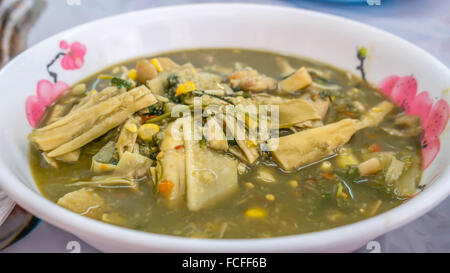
210,176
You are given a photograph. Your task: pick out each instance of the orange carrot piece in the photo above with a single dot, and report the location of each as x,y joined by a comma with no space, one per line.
374,148
179,147
165,187
328,175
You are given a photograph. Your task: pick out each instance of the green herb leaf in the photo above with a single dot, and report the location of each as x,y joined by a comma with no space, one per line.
121,83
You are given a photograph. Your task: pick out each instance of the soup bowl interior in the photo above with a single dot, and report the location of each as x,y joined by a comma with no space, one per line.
87,49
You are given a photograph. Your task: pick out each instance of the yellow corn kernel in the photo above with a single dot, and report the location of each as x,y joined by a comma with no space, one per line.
326,166
157,65
185,88
251,143
293,183
270,197
132,128
132,74
249,185
160,155
376,109
92,92
340,192
346,158
147,131
255,213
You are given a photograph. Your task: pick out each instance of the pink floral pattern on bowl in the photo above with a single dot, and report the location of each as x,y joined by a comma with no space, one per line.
47,92
74,58
434,115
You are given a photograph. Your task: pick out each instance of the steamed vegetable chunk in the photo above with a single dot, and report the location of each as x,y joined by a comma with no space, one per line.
297,81
226,144
83,201
171,167
87,123
297,111
311,145
210,176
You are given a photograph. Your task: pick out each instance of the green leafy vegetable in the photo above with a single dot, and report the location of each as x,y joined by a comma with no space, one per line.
121,83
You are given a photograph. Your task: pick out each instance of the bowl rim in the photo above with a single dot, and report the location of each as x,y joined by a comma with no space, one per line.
82,226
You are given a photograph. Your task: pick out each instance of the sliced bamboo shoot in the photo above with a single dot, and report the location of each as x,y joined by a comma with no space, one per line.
238,132
171,164
210,176
376,114
308,146
128,136
81,127
214,135
296,111
84,202
297,81
70,157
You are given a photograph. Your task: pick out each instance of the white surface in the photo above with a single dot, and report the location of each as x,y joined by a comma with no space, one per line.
427,233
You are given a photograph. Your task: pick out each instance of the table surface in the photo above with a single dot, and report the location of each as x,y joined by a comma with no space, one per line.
424,23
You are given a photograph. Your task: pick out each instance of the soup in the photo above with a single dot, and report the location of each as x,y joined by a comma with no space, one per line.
122,146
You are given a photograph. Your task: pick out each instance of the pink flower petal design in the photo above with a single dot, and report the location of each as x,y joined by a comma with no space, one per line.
387,84
74,59
404,92
430,151
47,93
34,110
421,106
63,45
437,119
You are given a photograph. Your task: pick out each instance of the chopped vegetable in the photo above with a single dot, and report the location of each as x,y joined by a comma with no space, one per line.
165,188
256,213
84,202
249,185
328,176
296,150
147,131
326,166
295,82
185,88
370,166
121,83
346,158
270,197
340,191
293,183
145,71
374,148
265,175
132,74
157,65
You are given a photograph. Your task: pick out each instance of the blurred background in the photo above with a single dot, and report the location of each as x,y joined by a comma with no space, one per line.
23,23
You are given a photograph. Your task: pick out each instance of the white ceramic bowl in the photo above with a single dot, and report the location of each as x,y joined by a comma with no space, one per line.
299,32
